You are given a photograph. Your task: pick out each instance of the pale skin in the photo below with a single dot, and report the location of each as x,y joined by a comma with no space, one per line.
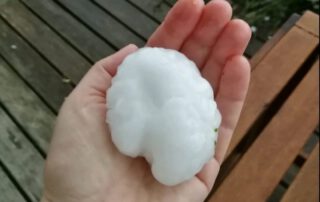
83,165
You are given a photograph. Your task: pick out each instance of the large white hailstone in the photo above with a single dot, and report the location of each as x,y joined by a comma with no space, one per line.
160,107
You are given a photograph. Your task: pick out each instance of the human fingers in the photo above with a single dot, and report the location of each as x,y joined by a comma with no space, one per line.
232,41
178,24
216,14
209,173
230,99
98,78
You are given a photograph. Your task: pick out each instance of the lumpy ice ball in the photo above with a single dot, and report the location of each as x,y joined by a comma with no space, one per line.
160,107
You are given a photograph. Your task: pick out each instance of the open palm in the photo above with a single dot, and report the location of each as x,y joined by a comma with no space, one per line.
84,165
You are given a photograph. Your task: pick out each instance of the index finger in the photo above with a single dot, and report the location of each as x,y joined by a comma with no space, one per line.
178,24
98,78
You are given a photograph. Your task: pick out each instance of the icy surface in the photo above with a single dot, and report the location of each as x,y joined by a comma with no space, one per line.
160,107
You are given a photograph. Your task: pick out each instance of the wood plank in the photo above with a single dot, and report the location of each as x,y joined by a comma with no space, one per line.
26,108
102,23
266,161
29,64
271,75
171,2
9,192
253,46
72,30
62,55
310,22
267,47
156,8
21,158
129,15
306,185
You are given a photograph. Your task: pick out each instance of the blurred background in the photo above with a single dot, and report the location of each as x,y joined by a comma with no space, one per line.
266,16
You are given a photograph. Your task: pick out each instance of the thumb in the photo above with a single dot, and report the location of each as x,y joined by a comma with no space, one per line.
98,78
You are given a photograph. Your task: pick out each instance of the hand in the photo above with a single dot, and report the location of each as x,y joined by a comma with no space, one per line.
83,165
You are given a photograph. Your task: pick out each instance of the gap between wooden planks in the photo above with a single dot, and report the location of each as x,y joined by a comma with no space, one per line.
261,168
7,189
305,187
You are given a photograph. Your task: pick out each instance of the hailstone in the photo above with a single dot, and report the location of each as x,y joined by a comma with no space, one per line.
159,107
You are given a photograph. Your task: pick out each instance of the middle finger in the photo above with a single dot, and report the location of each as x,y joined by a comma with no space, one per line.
178,24
215,16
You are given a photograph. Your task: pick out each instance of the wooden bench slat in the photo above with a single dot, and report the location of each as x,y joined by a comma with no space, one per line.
21,158
156,8
271,75
130,16
62,55
101,22
76,33
8,191
263,165
258,56
34,69
26,107
305,187
310,22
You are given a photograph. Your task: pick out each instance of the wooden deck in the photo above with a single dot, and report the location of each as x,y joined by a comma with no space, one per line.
45,49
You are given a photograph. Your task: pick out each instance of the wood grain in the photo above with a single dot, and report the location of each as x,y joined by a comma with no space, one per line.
271,75
102,23
264,164
9,192
156,8
305,187
62,55
26,107
310,22
71,29
132,17
267,47
32,68
21,158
